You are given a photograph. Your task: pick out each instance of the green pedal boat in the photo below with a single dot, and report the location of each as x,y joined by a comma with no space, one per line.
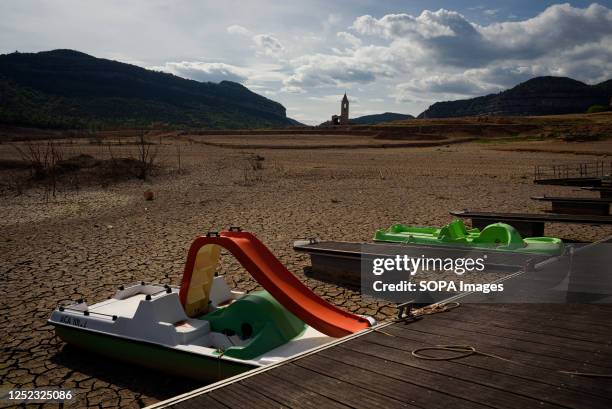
497,236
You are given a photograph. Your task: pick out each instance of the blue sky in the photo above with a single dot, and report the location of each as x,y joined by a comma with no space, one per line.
398,56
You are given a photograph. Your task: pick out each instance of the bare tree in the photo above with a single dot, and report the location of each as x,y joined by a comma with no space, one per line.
43,160
147,153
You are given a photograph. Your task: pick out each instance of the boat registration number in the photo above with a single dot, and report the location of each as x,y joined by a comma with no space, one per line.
77,322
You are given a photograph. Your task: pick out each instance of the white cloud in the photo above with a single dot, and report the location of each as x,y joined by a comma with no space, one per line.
445,86
334,98
427,25
349,38
292,89
205,71
269,45
236,29
452,39
361,66
557,28
443,54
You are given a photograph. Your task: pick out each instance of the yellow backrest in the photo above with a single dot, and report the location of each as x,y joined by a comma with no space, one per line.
198,294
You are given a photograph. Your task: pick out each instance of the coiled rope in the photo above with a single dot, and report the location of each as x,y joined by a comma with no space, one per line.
464,351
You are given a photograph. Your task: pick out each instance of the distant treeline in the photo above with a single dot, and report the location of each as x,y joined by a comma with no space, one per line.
69,89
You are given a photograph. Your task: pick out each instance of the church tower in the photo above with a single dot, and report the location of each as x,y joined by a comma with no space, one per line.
344,111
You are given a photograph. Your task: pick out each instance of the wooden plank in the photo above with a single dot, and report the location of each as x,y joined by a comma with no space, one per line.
525,323
575,345
519,344
236,395
592,314
529,366
545,366
536,354
528,327
198,402
397,364
378,370
580,311
469,391
287,394
335,389
592,318
401,390
545,394
547,324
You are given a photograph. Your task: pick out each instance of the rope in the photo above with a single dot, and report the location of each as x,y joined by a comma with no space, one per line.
429,310
463,351
436,308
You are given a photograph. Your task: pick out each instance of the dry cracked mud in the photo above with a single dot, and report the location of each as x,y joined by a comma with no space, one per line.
85,244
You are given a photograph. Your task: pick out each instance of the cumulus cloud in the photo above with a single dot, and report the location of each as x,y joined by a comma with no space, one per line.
452,39
268,45
557,28
444,86
349,38
205,71
442,53
361,66
428,25
449,84
236,29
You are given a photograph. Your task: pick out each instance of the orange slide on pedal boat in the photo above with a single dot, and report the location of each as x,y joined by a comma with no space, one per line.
272,275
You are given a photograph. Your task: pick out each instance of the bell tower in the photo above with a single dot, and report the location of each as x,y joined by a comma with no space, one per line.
344,111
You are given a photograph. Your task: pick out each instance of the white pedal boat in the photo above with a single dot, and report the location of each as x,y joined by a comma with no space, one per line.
203,329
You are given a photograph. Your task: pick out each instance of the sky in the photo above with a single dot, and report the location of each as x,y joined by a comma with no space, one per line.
388,56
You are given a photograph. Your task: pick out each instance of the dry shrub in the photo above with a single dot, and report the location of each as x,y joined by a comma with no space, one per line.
43,159
147,154
251,166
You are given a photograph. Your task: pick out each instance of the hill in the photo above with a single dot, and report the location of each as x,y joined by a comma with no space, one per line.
65,88
380,118
538,96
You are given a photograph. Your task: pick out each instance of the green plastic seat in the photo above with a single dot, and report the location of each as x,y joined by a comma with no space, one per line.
258,318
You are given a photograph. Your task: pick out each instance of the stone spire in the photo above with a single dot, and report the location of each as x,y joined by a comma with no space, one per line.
344,111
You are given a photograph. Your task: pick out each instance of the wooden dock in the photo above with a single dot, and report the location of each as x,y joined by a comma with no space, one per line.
529,224
377,369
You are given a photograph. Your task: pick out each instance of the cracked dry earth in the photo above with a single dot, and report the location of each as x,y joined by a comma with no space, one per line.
84,245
